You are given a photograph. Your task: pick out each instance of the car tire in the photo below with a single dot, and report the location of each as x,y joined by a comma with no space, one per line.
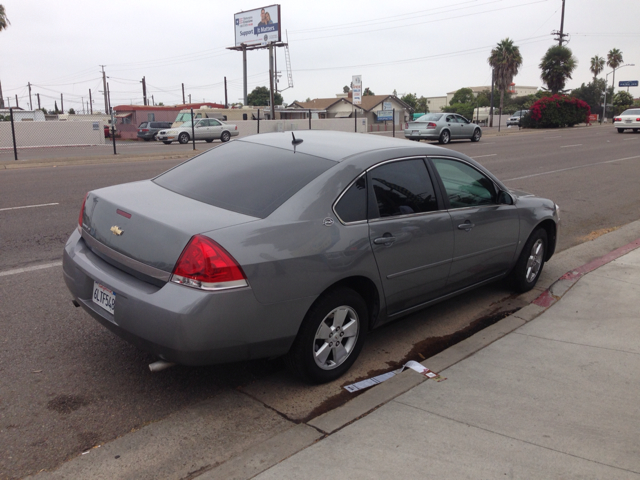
476,135
635,130
620,130
445,137
527,270
183,138
320,352
166,142
146,139
225,137
155,137
209,140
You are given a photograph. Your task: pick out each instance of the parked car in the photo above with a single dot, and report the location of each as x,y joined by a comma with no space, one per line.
516,117
148,130
208,129
443,127
629,119
266,246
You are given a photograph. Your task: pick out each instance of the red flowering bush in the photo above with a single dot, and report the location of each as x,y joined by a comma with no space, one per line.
557,111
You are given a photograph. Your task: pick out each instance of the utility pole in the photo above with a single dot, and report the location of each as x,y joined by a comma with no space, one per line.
38,95
90,102
153,101
492,85
226,103
82,100
561,33
271,96
144,90
104,89
189,98
61,104
17,106
183,100
108,99
1,97
30,102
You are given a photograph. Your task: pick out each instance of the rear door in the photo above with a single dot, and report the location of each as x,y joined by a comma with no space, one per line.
464,128
410,234
216,128
485,231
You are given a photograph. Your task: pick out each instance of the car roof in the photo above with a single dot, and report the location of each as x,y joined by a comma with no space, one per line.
338,146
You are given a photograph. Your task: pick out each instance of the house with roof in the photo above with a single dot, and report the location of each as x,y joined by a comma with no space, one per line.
377,109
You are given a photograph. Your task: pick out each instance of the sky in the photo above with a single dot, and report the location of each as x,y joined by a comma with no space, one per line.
427,48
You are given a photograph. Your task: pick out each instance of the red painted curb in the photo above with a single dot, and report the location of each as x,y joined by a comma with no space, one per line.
546,299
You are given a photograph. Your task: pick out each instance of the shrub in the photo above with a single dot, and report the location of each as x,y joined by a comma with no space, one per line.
557,111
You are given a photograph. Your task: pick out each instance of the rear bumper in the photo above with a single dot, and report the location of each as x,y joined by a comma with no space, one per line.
181,324
421,135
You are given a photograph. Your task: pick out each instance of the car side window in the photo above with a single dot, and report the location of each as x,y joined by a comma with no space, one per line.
402,188
465,186
451,119
352,206
143,125
214,123
461,119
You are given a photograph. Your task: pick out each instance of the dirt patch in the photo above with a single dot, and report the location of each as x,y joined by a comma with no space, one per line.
598,233
67,403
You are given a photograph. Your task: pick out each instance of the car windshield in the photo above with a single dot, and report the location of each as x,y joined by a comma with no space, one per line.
430,117
633,111
244,177
183,117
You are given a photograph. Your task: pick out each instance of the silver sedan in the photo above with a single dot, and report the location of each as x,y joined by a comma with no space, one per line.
268,246
208,129
443,127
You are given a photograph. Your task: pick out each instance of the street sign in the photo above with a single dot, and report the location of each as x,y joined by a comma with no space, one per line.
628,83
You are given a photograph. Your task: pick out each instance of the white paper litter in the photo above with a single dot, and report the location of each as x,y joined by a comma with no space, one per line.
370,382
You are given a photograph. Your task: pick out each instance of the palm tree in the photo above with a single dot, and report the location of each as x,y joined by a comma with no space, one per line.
557,65
614,60
505,60
597,65
4,21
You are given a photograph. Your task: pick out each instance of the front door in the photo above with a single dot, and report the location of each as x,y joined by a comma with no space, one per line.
410,234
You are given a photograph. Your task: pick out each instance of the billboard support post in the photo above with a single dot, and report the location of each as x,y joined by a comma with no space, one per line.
271,96
244,71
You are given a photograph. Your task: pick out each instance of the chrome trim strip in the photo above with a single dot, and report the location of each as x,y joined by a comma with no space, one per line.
407,215
493,249
417,269
124,260
186,282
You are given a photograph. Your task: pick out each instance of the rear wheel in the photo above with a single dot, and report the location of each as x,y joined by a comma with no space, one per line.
166,142
146,139
183,138
529,265
445,137
635,130
330,337
476,135
209,140
225,136
620,130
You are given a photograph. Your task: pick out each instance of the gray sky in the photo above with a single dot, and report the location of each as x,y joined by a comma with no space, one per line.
424,47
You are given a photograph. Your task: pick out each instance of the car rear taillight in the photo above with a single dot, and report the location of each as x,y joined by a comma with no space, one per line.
637,119
206,265
236,127
144,130
617,119
82,213
431,125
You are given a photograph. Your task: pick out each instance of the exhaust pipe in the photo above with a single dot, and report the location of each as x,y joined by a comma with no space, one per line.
160,365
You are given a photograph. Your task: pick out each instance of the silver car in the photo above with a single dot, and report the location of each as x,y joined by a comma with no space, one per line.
516,117
208,129
629,119
268,246
443,127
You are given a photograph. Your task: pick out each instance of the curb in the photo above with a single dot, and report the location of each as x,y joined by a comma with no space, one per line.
260,458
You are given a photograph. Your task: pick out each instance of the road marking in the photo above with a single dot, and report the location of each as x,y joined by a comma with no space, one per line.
627,139
559,136
480,156
572,168
29,206
30,269
568,146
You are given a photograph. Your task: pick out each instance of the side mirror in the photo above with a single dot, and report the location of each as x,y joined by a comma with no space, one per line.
505,199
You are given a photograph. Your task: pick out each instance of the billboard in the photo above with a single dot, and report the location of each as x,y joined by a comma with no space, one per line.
258,27
356,88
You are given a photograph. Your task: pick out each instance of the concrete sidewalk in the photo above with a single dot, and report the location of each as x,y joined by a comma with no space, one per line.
555,398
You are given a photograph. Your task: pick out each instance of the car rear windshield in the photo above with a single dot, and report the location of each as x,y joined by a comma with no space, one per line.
635,111
430,117
244,177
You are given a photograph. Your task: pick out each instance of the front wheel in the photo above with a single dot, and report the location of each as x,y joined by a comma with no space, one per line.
445,137
529,265
183,138
166,142
476,135
225,136
330,337
209,140
620,130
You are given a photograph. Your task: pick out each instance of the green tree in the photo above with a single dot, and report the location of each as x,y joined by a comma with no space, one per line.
505,60
410,99
464,109
597,65
622,98
160,104
557,65
464,95
345,89
367,92
71,111
259,97
591,93
614,60
4,21
421,105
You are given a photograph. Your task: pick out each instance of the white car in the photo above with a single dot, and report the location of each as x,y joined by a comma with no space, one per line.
208,129
628,119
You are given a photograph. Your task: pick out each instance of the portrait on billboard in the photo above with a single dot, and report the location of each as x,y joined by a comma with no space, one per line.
258,27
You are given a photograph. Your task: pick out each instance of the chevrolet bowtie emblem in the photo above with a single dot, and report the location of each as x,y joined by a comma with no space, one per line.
116,230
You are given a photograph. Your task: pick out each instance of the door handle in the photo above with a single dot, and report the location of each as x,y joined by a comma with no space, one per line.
384,240
466,226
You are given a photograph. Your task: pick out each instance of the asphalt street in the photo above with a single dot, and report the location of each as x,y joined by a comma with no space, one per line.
67,384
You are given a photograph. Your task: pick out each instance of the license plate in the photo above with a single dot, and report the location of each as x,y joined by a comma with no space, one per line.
104,297
414,132
628,121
